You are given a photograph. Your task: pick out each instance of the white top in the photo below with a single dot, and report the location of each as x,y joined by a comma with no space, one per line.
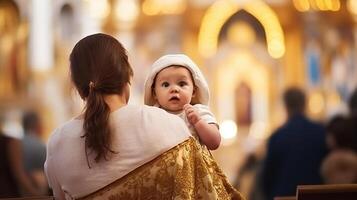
205,114
140,133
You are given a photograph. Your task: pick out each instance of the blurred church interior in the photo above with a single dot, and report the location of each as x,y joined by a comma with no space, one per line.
248,50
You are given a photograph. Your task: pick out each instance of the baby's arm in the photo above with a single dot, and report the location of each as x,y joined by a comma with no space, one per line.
208,133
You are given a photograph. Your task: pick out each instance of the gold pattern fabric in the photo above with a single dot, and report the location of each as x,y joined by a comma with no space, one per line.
184,172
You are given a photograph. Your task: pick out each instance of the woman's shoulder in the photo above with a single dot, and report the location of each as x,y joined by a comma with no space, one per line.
151,112
162,116
153,118
70,128
149,124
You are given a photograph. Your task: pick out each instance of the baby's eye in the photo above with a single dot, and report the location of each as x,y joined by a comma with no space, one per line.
182,83
165,84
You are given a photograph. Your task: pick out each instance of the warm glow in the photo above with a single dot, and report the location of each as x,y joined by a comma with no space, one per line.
329,5
228,129
127,10
241,33
212,23
316,103
156,7
336,5
301,5
272,27
352,6
320,5
98,9
276,49
222,10
150,8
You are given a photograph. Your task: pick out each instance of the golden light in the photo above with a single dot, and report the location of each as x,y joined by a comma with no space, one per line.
352,6
173,6
241,33
301,5
127,10
98,9
156,7
212,23
316,103
329,5
335,5
228,130
319,5
150,8
222,10
276,49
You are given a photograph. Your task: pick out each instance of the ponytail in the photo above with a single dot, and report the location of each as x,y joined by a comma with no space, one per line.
96,125
99,66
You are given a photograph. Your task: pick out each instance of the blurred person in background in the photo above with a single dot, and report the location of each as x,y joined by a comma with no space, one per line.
295,150
34,150
14,181
340,133
340,166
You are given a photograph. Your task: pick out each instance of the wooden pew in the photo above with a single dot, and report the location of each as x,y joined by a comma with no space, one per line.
285,198
327,192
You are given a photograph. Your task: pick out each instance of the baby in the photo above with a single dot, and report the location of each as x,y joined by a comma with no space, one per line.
176,85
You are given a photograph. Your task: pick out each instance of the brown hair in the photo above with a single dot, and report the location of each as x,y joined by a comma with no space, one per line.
99,66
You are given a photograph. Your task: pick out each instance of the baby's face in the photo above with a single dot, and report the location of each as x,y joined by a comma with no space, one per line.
173,88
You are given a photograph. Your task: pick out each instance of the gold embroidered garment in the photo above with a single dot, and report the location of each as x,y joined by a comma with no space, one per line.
186,171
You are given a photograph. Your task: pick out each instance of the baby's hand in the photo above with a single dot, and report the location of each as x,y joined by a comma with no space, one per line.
192,114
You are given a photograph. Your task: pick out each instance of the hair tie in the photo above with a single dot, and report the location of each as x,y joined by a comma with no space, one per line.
91,85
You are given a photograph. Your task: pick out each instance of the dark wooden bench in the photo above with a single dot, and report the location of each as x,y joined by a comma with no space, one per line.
327,192
285,198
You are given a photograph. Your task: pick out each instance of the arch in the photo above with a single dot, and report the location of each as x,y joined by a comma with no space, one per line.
222,10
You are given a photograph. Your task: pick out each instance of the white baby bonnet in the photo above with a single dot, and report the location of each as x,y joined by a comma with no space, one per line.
202,91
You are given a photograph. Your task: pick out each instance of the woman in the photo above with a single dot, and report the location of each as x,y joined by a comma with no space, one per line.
116,150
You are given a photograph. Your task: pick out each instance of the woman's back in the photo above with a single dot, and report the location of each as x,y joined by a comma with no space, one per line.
139,135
